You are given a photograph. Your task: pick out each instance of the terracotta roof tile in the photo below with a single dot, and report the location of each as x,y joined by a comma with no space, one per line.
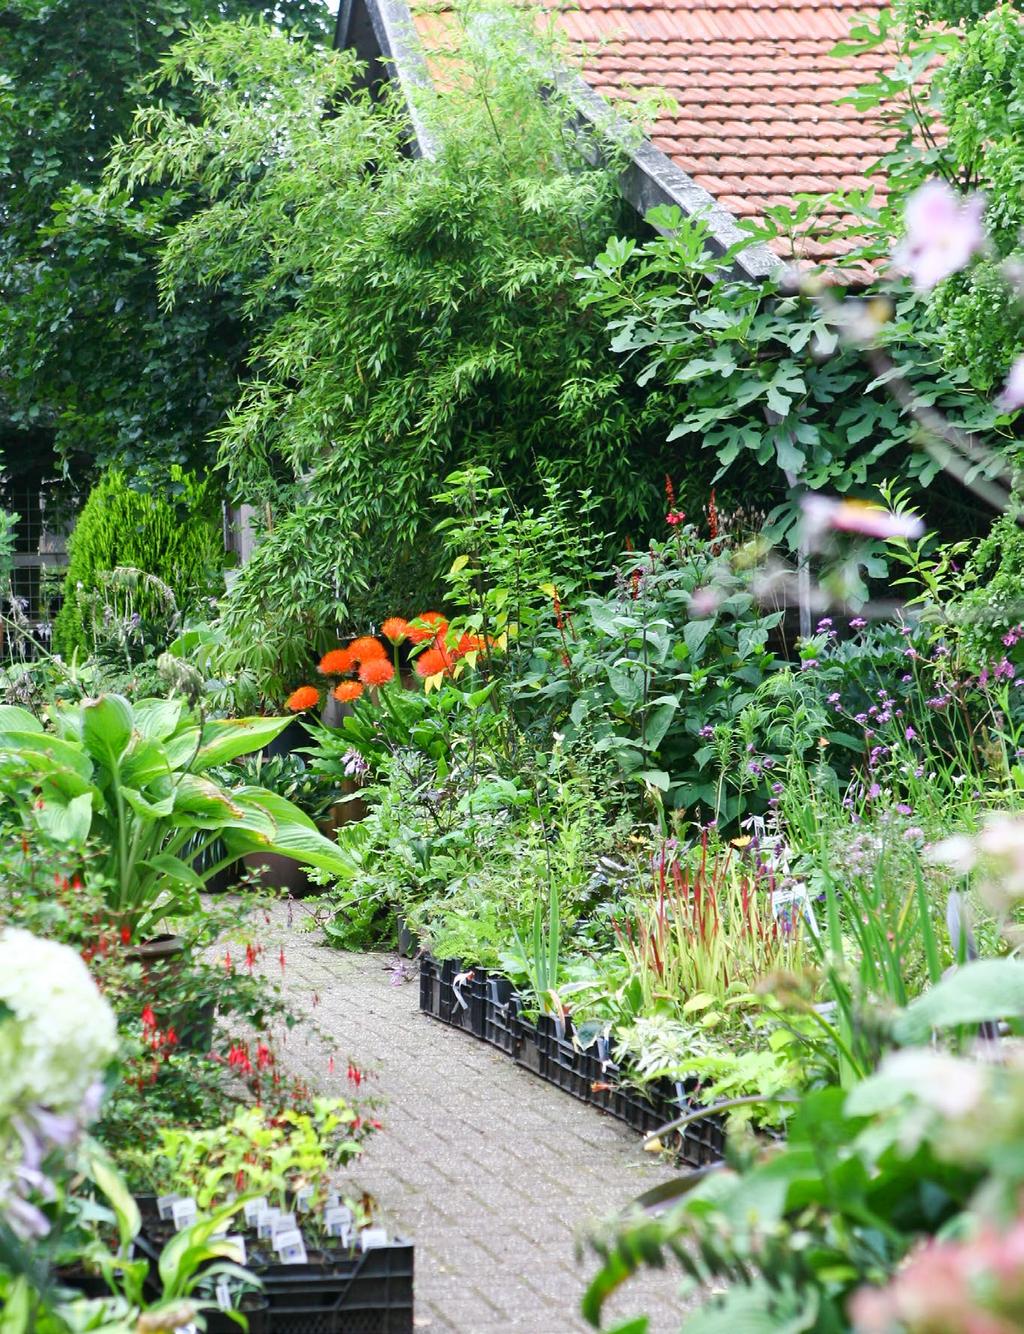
756,119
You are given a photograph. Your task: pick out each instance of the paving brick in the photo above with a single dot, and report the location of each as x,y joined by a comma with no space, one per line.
492,1172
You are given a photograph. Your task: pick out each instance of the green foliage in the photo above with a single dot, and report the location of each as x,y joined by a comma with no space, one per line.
137,782
662,673
766,376
433,322
87,356
174,539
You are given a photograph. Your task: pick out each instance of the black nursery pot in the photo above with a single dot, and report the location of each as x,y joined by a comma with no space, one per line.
293,736
253,1306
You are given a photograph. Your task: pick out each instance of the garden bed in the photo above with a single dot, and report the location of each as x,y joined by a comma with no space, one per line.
489,1009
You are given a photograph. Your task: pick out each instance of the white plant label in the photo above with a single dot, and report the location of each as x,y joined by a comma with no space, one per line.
284,1223
304,1200
290,1247
183,1213
794,901
371,1237
332,1200
253,1209
223,1295
164,1204
265,1224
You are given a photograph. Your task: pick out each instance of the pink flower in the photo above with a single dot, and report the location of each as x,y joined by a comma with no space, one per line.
1012,396
943,231
825,513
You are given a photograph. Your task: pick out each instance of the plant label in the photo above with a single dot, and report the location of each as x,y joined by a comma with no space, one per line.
284,1223
164,1205
223,1295
371,1237
459,981
290,1247
239,1246
304,1200
183,1213
253,1209
332,1200
791,903
338,1221
265,1224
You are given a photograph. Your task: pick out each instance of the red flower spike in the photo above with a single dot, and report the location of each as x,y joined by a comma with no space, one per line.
148,1017
280,958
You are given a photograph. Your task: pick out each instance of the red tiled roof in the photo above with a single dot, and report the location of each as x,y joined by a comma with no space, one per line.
756,120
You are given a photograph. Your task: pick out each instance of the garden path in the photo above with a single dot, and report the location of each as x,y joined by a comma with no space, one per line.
491,1172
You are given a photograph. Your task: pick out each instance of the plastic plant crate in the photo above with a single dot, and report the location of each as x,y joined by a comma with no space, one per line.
561,1061
430,986
461,1004
367,1293
499,1012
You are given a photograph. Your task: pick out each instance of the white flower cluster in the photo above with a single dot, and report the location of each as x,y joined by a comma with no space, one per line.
56,1030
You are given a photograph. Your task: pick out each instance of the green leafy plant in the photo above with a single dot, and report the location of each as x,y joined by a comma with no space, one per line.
137,782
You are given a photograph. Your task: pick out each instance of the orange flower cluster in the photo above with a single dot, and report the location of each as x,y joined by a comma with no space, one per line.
365,661
306,697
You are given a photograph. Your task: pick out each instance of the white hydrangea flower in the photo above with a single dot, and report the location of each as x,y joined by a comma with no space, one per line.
57,1032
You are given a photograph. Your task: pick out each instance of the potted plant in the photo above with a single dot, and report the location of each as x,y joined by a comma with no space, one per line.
138,783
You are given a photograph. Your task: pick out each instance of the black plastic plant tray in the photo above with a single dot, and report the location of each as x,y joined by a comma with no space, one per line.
367,1293
430,986
461,1003
499,1012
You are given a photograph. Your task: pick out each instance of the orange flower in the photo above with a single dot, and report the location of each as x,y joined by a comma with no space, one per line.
346,691
395,628
306,697
428,625
471,644
337,662
376,672
367,649
431,661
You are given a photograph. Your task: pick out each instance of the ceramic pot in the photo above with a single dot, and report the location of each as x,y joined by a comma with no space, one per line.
273,870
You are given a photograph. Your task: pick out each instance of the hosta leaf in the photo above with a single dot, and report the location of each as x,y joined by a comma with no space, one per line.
227,738
985,990
107,725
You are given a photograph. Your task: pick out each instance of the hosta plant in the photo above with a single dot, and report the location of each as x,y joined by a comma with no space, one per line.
136,782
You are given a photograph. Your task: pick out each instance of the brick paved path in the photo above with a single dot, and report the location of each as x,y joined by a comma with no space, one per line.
491,1172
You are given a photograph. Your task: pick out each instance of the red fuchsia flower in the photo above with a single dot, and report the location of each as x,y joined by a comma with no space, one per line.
170,1038
347,691
337,662
376,672
330,1065
251,955
229,967
280,958
396,629
943,232
264,1057
238,1059
148,1017
306,697
354,1075
126,935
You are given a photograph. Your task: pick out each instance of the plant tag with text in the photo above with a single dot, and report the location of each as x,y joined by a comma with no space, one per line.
290,1247
284,1223
371,1237
223,1295
265,1224
304,1200
338,1221
183,1213
253,1209
791,903
164,1204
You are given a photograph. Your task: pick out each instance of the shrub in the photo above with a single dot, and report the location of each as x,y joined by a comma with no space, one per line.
176,542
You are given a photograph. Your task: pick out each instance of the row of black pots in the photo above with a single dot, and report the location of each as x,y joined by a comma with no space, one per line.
489,1008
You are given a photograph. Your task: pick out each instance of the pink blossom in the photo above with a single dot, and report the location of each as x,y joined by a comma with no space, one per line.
943,231
822,513
1012,396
